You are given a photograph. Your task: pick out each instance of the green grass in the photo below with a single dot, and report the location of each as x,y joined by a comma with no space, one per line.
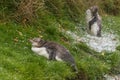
18,62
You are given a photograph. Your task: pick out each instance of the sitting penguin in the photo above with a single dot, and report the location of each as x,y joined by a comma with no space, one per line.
93,21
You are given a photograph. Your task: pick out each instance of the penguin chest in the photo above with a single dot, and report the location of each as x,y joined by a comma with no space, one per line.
41,51
94,29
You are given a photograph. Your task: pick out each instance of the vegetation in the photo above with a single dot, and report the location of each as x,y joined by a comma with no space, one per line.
22,20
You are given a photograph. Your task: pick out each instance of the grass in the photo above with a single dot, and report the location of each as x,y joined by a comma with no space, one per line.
18,62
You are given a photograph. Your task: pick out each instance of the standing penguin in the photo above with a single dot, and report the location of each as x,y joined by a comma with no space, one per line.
93,21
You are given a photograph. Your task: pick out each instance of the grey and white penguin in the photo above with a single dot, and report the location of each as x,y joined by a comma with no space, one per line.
52,51
93,20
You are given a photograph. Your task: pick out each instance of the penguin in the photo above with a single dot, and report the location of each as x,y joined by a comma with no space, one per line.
93,20
52,51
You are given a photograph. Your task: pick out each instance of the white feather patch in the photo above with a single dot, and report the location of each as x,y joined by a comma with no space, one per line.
58,59
41,51
88,15
94,29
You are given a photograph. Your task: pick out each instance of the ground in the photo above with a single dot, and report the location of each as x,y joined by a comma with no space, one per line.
18,62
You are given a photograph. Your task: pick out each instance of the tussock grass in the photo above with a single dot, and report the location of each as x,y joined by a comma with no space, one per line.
30,11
